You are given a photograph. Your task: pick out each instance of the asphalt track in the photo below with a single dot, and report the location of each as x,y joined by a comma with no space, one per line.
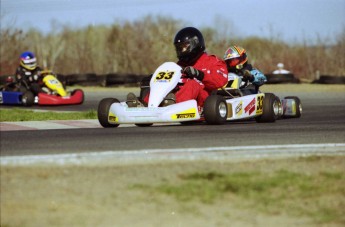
321,129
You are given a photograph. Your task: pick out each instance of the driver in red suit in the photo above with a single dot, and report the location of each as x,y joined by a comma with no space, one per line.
203,73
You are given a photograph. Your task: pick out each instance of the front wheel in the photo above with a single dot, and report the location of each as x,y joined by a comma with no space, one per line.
272,109
215,110
28,98
103,112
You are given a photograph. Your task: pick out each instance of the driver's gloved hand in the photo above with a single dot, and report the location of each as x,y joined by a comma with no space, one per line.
248,76
192,72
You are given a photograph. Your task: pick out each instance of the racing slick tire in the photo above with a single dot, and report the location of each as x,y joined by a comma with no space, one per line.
272,108
28,98
215,110
298,106
103,112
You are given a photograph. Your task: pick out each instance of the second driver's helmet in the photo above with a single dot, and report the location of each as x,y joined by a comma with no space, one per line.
28,60
189,44
235,55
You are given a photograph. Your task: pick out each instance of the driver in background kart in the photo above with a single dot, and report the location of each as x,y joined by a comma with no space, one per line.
202,72
28,74
236,61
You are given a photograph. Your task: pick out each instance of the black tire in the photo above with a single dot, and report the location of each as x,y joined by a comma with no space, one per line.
215,110
280,78
103,111
271,109
298,106
144,125
28,98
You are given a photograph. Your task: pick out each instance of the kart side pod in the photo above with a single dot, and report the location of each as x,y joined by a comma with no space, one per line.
111,113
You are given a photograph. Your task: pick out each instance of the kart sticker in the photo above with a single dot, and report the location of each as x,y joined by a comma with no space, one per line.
1,101
239,109
112,118
53,81
259,104
250,107
190,113
164,76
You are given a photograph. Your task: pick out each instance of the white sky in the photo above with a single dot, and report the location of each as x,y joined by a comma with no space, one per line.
290,20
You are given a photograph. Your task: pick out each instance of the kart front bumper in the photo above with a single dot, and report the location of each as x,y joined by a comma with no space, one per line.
120,113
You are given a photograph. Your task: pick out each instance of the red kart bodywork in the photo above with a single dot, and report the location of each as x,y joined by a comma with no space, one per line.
76,97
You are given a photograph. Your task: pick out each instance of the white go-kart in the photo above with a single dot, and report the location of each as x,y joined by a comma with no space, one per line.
230,103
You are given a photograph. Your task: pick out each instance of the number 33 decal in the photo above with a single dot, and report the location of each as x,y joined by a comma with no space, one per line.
164,76
260,102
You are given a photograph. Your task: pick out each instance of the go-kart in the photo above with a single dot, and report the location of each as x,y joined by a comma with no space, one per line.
51,92
226,104
56,94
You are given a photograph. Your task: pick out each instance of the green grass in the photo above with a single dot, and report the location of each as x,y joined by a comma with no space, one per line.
16,114
281,191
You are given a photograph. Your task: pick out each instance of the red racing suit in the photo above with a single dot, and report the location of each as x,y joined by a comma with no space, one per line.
215,76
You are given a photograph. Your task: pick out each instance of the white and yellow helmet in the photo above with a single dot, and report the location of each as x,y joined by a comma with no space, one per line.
28,60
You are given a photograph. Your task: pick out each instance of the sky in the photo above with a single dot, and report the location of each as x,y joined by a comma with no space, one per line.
288,20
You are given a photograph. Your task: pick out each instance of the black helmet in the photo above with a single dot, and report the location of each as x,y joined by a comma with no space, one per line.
189,44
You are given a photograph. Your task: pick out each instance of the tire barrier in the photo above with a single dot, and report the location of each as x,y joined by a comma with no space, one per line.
327,79
116,79
88,79
281,78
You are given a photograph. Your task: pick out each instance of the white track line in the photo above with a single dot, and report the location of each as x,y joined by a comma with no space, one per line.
207,153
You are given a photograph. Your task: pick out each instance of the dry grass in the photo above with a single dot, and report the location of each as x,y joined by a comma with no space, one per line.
130,195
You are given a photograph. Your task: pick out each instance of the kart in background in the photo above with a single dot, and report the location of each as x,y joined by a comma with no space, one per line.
52,92
56,94
227,104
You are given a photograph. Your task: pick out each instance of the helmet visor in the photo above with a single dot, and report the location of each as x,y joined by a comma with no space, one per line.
183,48
186,47
233,62
29,63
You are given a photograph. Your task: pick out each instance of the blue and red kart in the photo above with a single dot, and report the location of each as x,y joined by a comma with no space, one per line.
53,93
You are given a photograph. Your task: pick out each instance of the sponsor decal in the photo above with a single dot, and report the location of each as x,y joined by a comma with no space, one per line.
185,115
250,107
238,109
1,101
190,113
112,118
259,104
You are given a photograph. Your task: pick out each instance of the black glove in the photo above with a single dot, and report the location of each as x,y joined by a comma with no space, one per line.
191,72
248,76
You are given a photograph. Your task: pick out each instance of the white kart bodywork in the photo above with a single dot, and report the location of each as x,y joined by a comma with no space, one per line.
228,104
164,79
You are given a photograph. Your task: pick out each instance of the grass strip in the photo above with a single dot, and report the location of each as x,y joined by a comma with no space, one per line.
284,191
17,114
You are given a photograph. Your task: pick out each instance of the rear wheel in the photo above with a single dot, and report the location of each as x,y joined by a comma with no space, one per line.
298,105
28,98
103,112
272,108
215,110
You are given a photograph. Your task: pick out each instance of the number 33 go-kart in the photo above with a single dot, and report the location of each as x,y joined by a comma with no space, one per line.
227,104
52,93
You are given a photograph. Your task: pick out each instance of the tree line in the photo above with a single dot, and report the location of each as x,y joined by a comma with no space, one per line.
139,47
